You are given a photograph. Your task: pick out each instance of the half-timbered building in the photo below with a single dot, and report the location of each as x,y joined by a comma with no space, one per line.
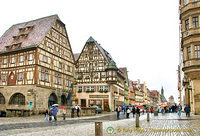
36,66
99,81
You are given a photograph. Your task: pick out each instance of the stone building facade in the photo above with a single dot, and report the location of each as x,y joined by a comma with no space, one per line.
190,48
36,66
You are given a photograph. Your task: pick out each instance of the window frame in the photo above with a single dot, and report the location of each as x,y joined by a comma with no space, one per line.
187,24
188,53
197,51
195,22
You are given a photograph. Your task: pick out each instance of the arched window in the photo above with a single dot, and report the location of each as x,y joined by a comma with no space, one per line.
2,99
52,100
17,99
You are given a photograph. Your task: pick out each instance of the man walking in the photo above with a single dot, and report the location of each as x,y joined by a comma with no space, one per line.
179,110
187,110
54,110
78,110
118,111
64,113
133,111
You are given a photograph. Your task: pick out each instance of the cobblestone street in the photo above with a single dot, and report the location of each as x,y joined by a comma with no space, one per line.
168,124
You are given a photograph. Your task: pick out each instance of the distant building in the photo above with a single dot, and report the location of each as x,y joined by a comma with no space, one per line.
162,97
171,100
131,93
154,98
36,66
139,93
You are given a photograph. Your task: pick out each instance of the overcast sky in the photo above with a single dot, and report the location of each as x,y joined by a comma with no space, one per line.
142,35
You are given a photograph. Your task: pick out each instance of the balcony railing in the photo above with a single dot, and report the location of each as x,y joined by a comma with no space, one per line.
191,31
191,62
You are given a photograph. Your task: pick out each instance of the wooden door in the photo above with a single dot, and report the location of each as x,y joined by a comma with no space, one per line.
105,105
83,102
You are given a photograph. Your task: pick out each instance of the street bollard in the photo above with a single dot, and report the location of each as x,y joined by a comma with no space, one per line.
137,120
98,129
147,116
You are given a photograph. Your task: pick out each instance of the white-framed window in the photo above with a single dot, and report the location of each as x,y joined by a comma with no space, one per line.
185,2
60,65
21,58
46,76
20,76
44,59
90,88
103,74
42,74
100,64
30,57
4,61
101,88
91,66
80,89
194,0
3,78
12,60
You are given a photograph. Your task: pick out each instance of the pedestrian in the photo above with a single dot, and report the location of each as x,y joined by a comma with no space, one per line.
151,110
124,109
50,115
72,113
133,111
187,110
46,114
54,110
162,110
64,113
128,112
78,110
179,110
138,111
118,109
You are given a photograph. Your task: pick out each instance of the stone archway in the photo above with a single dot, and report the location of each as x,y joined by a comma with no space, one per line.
63,100
52,99
2,99
17,99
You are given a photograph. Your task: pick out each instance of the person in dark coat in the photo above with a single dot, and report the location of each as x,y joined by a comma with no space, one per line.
138,111
50,115
78,110
118,109
133,111
187,110
72,114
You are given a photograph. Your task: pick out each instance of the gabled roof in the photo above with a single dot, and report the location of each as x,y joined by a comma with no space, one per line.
106,55
40,29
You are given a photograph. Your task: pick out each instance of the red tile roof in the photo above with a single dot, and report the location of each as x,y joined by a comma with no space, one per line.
40,28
